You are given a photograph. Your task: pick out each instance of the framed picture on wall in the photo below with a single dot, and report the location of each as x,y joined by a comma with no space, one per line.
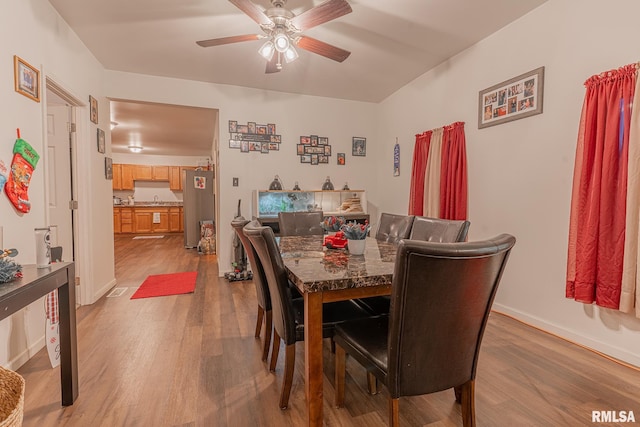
93,109
26,78
512,99
341,159
108,168
359,146
100,141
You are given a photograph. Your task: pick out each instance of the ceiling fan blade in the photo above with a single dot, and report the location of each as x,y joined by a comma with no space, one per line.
253,11
322,48
228,40
325,12
272,65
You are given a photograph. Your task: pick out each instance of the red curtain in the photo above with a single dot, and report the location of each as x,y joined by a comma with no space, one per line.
420,155
453,176
598,206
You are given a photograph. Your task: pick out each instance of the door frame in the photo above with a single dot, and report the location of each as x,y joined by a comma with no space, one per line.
76,216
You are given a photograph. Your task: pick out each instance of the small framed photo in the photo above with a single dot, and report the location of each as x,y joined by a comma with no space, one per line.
359,146
265,148
305,159
276,138
261,129
108,168
233,126
234,143
271,129
314,140
100,141
327,150
305,140
323,140
341,159
244,146
323,159
243,128
252,127
300,149
314,159
26,78
274,146
93,109
255,146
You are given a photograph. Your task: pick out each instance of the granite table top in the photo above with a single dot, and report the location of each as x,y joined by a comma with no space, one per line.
314,268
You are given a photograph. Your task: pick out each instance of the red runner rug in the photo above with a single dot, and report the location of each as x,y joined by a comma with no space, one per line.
167,284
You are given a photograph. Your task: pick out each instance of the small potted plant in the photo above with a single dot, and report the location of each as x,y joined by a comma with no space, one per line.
356,234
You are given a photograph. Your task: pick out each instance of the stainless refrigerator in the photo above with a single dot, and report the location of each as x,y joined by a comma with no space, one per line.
198,204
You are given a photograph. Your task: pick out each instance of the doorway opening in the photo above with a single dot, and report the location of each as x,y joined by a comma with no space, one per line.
61,194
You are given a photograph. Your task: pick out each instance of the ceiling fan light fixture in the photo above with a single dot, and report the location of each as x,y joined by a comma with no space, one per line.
281,42
267,50
135,148
290,54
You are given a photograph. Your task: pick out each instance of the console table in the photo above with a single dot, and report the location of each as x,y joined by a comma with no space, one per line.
36,283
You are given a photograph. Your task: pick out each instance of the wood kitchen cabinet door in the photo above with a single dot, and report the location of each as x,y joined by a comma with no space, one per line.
160,173
116,221
143,173
175,178
127,172
143,221
174,219
116,184
163,225
126,220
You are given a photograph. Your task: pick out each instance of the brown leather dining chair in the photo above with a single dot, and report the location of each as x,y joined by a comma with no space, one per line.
300,223
439,230
288,313
393,228
260,282
428,230
440,302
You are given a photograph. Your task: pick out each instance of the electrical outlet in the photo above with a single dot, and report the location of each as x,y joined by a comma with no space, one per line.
235,182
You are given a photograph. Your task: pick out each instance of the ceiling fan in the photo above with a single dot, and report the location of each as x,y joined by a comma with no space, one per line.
283,29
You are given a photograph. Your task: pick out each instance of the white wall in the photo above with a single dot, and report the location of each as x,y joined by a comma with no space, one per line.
294,115
520,173
34,31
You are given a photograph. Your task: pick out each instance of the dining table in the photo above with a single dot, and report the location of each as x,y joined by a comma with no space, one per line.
326,275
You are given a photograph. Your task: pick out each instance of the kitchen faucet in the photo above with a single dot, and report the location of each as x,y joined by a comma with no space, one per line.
155,199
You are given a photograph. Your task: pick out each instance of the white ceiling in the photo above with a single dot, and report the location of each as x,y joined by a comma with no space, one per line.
391,42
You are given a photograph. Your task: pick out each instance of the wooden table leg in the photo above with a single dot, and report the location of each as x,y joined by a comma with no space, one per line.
313,356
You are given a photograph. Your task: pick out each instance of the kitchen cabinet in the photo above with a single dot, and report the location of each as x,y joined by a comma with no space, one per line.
117,178
174,219
175,178
151,173
122,220
127,177
117,221
140,219
122,177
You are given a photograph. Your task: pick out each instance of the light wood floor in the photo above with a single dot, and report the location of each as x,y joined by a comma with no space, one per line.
192,360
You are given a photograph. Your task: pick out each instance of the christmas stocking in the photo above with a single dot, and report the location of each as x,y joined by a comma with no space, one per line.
24,162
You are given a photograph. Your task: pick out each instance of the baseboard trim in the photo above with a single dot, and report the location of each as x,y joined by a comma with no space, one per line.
26,354
611,352
102,291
